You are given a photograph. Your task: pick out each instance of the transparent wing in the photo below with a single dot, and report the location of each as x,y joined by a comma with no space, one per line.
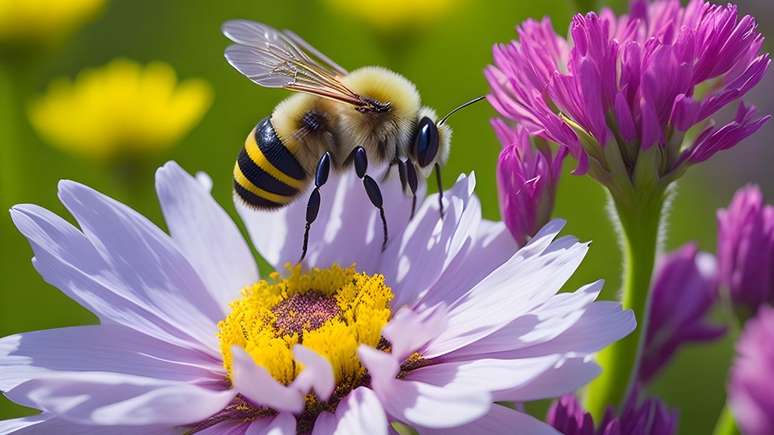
276,59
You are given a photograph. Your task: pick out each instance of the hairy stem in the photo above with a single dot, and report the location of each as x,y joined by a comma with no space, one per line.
639,220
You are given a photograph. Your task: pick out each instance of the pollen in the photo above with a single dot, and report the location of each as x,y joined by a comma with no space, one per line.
330,311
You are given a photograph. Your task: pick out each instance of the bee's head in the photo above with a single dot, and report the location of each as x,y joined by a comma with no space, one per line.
424,149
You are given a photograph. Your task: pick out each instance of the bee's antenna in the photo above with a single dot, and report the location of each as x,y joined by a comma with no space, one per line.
460,107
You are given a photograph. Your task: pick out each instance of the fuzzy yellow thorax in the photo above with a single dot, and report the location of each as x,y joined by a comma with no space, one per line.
330,311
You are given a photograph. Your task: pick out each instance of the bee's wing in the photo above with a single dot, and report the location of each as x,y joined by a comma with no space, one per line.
276,59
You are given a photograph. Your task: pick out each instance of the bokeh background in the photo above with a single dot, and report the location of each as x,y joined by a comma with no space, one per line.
442,46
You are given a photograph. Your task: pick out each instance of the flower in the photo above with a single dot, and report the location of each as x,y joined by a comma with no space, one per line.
398,15
448,319
684,290
632,97
746,250
32,22
120,109
649,417
751,393
526,180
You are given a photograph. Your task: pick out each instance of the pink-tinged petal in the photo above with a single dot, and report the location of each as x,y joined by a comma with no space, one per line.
518,286
415,260
344,204
600,325
205,234
499,420
360,413
282,424
382,367
483,374
104,348
103,398
142,256
255,383
566,376
67,259
624,118
325,424
408,331
317,373
684,112
48,424
417,402
492,246
546,322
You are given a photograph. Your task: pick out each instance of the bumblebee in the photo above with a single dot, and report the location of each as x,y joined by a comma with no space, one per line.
338,120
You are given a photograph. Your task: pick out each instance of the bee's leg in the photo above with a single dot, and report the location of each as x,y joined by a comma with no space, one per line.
412,181
440,187
371,187
313,205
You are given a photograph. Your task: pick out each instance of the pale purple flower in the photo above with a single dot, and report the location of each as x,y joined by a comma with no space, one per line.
746,249
527,177
633,82
751,391
472,319
647,417
684,291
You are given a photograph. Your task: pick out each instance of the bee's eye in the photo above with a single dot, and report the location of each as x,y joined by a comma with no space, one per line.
426,143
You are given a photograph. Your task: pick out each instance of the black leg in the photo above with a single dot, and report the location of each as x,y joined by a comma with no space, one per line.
313,205
371,187
413,183
440,187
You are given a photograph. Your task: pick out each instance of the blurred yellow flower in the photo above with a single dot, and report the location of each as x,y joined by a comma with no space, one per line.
120,109
395,14
43,21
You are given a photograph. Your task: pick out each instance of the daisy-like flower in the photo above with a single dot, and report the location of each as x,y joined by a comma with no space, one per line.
450,318
527,177
632,97
685,289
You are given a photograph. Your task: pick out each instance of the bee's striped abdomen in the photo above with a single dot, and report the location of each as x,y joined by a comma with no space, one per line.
266,174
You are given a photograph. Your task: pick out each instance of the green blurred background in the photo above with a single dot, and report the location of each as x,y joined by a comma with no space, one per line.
444,56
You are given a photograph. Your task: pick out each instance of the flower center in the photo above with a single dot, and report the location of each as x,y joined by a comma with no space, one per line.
330,311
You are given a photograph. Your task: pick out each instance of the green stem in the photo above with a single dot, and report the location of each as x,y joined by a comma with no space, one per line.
726,424
640,220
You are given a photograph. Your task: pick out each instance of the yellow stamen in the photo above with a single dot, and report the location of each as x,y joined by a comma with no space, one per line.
331,311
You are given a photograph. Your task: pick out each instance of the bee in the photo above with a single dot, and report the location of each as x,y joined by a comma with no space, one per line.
336,121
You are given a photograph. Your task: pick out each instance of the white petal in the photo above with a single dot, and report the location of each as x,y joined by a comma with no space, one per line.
205,234
499,420
255,383
360,413
116,399
483,374
565,377
18,424
601,324
228,427
415,261
430,406
104,348
317,373
492,245
546,322
278,235
325,424
48,424
282,424
66,259
518,286
408,331
417,402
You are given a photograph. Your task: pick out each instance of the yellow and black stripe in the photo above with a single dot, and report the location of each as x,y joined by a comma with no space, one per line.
266,174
